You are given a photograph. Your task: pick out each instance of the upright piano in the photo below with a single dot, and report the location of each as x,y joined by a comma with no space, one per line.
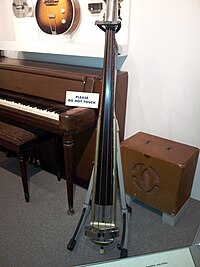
33,93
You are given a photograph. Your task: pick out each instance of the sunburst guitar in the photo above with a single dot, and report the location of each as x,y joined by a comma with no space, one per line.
22,8
57,16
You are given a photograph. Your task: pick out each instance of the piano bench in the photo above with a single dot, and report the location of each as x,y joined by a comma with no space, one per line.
19,140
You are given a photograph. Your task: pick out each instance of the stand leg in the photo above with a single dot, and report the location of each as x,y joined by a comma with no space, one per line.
126,210
84,215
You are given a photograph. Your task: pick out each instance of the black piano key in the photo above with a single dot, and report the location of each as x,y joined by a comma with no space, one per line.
60,110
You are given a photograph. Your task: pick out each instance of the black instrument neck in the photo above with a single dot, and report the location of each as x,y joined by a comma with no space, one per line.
106,155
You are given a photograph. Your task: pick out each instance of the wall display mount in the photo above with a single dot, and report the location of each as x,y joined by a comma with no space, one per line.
62,27
22,8
95,8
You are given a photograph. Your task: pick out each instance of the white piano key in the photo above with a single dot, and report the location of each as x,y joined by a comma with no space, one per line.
41,112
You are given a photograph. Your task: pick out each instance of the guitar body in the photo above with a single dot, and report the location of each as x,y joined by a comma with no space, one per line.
22,8
57,16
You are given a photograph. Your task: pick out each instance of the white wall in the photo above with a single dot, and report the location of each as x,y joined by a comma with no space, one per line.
164,72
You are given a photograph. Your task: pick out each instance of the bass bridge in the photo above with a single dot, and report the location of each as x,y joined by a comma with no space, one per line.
102,233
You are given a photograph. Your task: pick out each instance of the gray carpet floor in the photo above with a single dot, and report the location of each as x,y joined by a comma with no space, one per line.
36,234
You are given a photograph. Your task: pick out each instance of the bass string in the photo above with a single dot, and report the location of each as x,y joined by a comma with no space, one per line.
113,81
107,130
112,110
101,161
110,148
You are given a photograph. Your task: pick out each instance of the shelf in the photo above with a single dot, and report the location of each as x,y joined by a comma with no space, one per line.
24,34
72,49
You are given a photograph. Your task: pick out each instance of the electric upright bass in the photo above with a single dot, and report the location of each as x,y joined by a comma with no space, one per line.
102,229
101,196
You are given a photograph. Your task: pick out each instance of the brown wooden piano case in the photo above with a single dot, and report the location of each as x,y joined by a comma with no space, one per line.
42,86
158,171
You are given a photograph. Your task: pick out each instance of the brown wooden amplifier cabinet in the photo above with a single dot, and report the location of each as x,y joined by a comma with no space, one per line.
157,171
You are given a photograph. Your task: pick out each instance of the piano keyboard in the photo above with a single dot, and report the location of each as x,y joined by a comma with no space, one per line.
40,110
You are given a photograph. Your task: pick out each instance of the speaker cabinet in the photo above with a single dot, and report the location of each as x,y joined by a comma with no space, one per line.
157,171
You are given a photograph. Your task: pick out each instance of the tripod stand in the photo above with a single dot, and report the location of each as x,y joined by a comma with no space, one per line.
125,209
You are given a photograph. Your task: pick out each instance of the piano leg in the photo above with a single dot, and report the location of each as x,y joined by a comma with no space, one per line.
68,146
58,157
23,170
